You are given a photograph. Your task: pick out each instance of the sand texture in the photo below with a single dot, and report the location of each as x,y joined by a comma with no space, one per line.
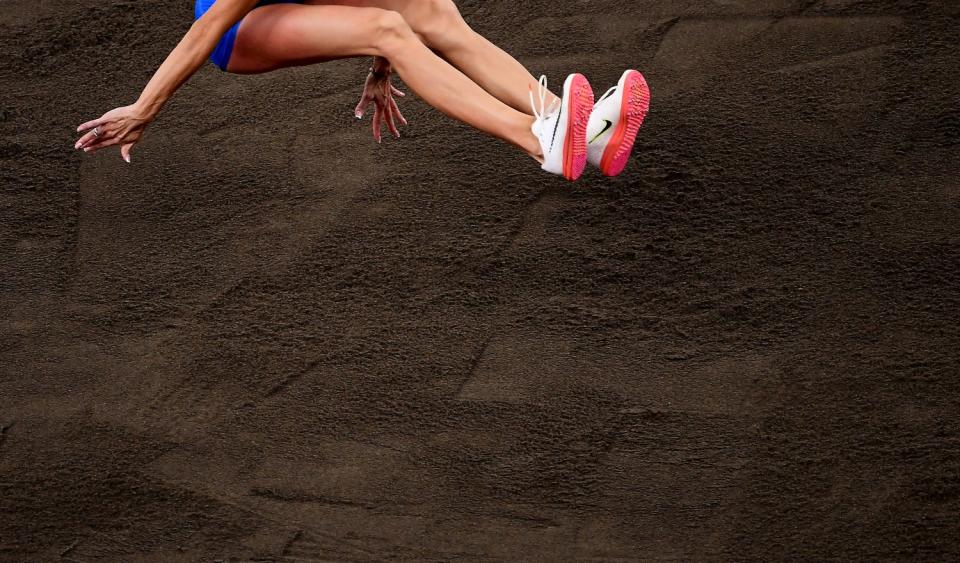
271,339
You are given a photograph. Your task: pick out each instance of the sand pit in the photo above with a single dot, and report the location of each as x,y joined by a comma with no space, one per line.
269,338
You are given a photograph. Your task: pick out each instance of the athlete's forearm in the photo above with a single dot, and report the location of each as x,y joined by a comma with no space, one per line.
190,54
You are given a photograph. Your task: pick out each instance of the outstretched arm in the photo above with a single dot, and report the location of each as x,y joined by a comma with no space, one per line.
125,125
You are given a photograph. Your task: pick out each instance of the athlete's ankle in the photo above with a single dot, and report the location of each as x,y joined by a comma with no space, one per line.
526,140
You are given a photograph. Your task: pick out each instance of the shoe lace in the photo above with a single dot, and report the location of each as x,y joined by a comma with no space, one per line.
542,90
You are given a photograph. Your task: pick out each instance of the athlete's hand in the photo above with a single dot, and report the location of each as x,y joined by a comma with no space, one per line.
122,126
379,91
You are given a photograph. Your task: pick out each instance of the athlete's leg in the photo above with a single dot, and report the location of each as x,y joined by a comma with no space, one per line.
440,25
281,35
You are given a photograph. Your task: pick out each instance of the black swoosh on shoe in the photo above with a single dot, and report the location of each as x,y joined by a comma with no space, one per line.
556,125
606,128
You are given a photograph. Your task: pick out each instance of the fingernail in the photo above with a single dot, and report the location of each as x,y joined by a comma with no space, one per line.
127,159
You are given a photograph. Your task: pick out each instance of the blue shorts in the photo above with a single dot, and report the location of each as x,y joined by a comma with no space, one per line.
221,55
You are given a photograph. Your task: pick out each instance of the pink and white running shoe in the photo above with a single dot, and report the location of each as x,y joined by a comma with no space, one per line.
615,121
562,128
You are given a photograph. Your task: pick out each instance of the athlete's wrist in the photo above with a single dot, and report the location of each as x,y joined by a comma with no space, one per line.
380,68
145,110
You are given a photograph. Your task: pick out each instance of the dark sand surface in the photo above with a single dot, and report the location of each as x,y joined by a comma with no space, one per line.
270,338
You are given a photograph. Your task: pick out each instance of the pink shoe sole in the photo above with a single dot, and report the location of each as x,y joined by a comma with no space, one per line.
633,110
580,98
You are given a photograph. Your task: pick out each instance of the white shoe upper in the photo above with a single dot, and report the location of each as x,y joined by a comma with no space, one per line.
550,126
603,122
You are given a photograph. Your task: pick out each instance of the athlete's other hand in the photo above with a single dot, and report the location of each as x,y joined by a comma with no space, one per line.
122,126
380,91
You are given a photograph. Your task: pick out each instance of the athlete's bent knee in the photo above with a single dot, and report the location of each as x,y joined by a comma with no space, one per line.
444,11
441,24
391,32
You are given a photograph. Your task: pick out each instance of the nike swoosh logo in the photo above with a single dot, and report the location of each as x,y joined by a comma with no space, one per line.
606,128
555,127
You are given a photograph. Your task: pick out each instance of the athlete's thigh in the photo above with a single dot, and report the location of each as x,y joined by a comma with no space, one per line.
282,35
395,5
418,13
